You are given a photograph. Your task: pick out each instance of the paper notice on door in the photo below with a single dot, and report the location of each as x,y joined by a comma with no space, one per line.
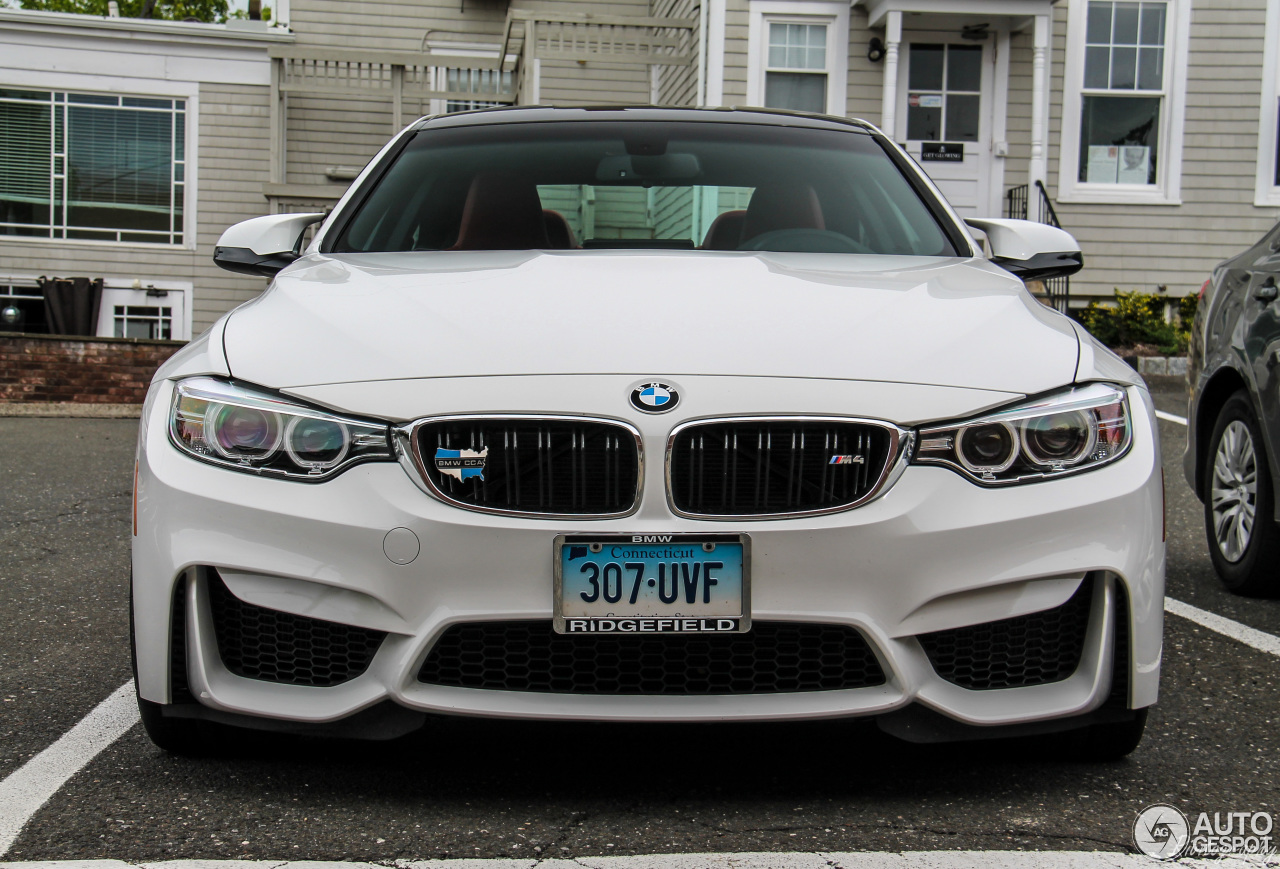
1135,164
1104,163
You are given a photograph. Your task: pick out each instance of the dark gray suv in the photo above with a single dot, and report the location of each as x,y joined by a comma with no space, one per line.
1233,432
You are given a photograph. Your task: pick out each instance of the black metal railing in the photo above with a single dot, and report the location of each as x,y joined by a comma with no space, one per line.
1017,202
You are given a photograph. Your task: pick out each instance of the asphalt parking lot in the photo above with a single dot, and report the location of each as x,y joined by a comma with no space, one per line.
462,789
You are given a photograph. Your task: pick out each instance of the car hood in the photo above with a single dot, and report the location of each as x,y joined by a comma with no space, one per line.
372,317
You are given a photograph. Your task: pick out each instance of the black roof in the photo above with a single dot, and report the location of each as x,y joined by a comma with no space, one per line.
733,115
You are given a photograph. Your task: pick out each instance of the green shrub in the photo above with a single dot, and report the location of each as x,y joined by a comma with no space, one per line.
1138,318
1187,306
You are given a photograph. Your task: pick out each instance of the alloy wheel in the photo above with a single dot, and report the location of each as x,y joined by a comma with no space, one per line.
1234,492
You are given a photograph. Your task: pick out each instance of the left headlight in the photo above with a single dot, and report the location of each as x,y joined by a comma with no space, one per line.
1071,431
255,431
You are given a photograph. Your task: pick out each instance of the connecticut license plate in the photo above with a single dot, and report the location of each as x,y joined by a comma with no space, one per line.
652,583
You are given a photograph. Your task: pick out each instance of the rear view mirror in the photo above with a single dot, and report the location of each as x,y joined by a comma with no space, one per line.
658,168
264,245
1030,251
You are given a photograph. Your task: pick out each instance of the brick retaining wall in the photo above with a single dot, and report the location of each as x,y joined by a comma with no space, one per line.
36,368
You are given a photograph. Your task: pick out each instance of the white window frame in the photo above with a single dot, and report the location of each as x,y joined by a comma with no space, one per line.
835,15
114,86
1266,191
1168,187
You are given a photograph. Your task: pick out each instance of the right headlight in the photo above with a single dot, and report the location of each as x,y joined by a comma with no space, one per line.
1068,432
247,429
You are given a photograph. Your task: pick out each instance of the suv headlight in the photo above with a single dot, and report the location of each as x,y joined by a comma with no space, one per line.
1065,433
255,431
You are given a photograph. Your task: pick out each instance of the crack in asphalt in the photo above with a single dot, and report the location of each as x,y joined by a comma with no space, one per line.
73,510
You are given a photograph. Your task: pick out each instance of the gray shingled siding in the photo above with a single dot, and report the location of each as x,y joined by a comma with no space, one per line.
677,85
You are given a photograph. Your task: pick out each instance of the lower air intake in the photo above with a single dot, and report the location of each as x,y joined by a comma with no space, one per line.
259,643
1034,649
771,658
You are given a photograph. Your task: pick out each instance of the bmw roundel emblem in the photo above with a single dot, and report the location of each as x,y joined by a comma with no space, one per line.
654,397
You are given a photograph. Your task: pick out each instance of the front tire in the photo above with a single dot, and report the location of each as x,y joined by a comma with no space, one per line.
1113,740
184,736
1239,507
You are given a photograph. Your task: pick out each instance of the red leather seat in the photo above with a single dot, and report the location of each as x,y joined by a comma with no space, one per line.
559,233
502,212
725,232
782,206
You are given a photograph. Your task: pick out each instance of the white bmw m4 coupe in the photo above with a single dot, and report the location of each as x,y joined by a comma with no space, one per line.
648,415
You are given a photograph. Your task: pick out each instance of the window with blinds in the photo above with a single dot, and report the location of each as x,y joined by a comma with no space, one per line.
96,167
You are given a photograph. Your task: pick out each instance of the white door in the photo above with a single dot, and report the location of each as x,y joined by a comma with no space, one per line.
945,111
157,312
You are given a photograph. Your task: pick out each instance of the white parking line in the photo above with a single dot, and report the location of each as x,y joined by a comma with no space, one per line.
1168,417
31,785
1252,637
758,860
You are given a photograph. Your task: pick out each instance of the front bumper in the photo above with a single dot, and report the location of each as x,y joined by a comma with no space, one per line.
934,553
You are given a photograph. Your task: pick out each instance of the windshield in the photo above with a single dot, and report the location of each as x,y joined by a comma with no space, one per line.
644,184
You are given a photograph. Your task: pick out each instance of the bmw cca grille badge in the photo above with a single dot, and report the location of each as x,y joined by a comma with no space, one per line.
654,397
462,464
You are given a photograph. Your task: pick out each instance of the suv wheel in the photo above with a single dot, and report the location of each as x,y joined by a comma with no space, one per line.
1244,540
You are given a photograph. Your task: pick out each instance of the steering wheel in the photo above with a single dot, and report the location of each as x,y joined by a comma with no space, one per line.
805,241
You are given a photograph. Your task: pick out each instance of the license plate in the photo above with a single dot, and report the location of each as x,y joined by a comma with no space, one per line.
652,583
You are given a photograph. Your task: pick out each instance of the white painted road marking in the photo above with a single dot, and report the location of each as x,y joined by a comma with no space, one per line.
30,786
1252,637
790,860
1168,417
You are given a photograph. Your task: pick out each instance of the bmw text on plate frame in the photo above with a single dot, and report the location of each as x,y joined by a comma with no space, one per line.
833,529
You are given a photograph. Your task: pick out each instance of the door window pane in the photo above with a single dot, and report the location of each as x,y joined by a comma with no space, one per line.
964,68
923,122
952,111
926,67
962,117
146,322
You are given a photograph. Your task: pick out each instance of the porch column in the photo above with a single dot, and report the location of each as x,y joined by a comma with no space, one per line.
889,105
1039,168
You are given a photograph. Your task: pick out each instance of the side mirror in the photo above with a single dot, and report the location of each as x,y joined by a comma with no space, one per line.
1030,251
264,245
